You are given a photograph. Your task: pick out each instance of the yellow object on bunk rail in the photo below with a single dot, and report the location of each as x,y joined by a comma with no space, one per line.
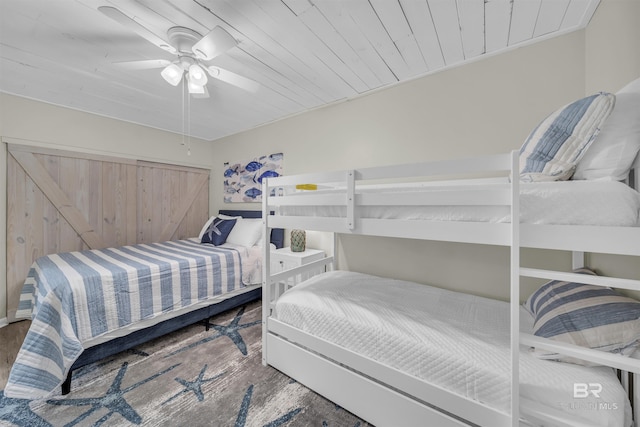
306,187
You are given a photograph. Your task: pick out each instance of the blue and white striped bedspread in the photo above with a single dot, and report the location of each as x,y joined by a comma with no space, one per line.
73,297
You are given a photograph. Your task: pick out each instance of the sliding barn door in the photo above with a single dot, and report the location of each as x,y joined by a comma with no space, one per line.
173,201
62,201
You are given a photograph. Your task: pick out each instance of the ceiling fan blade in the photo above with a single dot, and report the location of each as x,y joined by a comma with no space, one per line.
131,24
143,65
234,79
214,43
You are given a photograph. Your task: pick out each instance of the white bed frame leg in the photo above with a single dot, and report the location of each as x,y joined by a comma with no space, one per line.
636,400
515,291
627,380
334,264
266,271
578,259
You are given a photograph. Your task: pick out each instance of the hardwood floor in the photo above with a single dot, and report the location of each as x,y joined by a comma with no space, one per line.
11,337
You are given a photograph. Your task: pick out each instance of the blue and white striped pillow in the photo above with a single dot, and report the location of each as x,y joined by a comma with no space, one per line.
586,315
554,147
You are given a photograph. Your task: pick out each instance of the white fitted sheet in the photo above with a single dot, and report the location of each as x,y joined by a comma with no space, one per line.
605,203
455,340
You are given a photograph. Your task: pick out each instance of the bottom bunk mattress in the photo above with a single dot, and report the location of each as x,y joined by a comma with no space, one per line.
81,299
454,340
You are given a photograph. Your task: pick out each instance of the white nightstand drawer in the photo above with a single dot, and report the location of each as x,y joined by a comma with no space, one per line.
283,259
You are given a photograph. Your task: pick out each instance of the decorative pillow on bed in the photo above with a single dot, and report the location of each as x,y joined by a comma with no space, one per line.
555,146
612,153
246,232
205,227
586,315
210,220
218,231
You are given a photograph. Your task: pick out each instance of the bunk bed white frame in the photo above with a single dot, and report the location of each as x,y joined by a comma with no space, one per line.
344,376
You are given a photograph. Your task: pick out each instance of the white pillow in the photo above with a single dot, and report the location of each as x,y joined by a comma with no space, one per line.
246,232
612,153
223,216
633,86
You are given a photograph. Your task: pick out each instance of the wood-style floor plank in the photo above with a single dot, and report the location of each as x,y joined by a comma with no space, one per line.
11,338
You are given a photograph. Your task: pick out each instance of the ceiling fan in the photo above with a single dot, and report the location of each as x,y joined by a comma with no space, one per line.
192,51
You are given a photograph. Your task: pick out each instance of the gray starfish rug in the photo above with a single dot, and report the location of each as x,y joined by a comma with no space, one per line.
191,377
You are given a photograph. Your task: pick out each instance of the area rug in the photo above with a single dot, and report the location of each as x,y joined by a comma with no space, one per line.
191,377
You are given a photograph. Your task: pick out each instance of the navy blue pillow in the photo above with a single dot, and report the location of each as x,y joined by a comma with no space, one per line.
218,231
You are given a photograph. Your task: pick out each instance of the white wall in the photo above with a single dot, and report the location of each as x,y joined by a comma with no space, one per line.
488,106
613,46
24,121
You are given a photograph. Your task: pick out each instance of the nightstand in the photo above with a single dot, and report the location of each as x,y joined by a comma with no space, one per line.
283,259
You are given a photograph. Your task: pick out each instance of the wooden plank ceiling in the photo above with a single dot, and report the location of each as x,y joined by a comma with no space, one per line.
303,53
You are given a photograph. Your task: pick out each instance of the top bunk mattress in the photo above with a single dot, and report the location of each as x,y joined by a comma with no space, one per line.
454,340
600,203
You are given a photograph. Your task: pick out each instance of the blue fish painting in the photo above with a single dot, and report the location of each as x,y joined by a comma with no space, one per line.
248,178
242,180
253,166
231,171
268,174
253,193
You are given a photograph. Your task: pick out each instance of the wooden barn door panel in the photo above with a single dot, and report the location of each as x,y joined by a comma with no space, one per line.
119,198
70,207
197,214
62,201
19,247
173,201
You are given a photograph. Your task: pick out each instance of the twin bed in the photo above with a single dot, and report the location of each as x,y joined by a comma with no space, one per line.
401,353
91,304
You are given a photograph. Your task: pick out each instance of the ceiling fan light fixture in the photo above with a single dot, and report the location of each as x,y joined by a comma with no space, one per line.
172,73
197,75
195,88
203,94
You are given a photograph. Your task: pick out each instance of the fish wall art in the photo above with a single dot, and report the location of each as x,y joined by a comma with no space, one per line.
243,180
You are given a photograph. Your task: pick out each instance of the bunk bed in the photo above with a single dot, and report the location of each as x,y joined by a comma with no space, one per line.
89,305
394,352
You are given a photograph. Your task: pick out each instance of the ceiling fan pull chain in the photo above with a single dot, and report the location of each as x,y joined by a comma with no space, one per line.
184,84
189,127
